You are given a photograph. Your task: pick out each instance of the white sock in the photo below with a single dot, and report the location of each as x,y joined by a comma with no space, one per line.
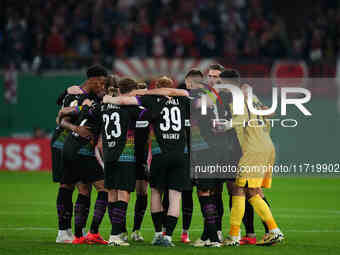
169,238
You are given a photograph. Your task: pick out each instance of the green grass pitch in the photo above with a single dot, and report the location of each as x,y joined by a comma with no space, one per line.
306,209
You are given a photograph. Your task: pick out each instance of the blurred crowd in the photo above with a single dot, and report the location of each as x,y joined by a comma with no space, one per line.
70,33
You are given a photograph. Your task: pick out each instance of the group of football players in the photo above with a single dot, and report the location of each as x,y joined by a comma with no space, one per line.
120,136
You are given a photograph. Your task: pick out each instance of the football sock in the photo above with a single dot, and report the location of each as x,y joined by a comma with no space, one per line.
123,228
220,209
266,230
69,210
170,224
165,205
230,202
87,211
140,208
80,214
204,235
187,208
99,211
117,213
210,214
263,210
64,208
248,219
236,215
157,221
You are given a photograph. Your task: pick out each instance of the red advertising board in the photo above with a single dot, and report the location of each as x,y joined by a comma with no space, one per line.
25,154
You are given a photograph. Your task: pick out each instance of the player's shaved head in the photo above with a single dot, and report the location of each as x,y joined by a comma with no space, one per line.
164,82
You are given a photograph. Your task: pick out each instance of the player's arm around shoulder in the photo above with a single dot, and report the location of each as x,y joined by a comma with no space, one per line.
120,100
168,92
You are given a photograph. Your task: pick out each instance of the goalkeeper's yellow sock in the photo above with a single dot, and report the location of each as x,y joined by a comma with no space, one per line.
236,215
263,210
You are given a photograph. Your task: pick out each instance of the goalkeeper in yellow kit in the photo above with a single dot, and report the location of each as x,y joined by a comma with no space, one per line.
258,155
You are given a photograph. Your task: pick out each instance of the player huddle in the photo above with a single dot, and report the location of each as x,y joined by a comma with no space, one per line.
116,135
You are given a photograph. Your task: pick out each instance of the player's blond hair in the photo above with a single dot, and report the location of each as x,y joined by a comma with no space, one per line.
164,82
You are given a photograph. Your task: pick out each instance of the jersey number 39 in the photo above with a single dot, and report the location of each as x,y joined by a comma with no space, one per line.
172,119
